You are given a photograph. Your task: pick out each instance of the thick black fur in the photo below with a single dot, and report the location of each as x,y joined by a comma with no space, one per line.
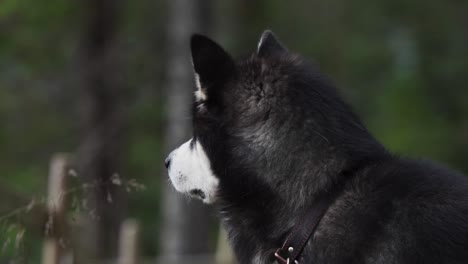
278,136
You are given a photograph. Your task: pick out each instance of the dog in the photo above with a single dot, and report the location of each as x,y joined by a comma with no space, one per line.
272,135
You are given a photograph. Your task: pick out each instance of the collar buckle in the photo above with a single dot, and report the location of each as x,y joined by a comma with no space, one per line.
283,260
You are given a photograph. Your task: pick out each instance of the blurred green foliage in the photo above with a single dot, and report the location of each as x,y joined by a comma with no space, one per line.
402,64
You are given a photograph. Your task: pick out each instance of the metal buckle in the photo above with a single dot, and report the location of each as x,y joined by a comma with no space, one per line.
282,260
279,257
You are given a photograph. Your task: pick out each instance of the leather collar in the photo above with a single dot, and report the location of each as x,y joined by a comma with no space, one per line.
294,244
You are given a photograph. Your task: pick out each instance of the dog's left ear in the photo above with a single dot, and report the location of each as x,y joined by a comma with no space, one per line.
269,45
212,65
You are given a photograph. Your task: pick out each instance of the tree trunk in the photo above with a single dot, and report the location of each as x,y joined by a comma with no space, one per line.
102,124
185,227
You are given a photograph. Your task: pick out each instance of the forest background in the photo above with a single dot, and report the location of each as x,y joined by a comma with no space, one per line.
109,82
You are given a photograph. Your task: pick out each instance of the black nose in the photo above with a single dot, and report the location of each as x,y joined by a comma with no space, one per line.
167,162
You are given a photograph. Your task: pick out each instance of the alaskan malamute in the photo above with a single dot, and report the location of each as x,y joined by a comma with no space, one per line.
271,136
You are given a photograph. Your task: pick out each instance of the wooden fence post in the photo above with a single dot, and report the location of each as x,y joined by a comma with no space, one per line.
128,244
55,225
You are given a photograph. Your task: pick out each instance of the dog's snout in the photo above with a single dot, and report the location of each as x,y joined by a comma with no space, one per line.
167,162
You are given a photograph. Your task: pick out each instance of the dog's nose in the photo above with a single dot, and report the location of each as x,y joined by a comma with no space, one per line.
167,162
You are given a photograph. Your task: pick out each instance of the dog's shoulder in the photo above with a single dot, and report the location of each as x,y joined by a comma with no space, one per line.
412,211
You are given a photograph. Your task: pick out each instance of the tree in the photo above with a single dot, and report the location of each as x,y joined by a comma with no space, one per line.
185,227
98,155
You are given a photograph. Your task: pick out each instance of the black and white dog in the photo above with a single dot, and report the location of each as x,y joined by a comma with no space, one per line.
271,135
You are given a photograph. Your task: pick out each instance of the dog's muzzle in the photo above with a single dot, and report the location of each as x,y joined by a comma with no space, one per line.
190,171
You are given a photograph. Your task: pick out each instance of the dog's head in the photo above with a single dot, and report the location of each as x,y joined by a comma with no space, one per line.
258,124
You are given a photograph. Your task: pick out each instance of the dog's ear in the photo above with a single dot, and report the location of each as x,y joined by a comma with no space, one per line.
212,65
269,45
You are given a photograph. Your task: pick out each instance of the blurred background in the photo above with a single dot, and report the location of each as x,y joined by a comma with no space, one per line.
95,93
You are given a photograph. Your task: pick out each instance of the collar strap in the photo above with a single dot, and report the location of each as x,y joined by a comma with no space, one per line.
290,252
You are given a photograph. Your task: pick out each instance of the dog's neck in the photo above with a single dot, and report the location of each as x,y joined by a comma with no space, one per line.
259,222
